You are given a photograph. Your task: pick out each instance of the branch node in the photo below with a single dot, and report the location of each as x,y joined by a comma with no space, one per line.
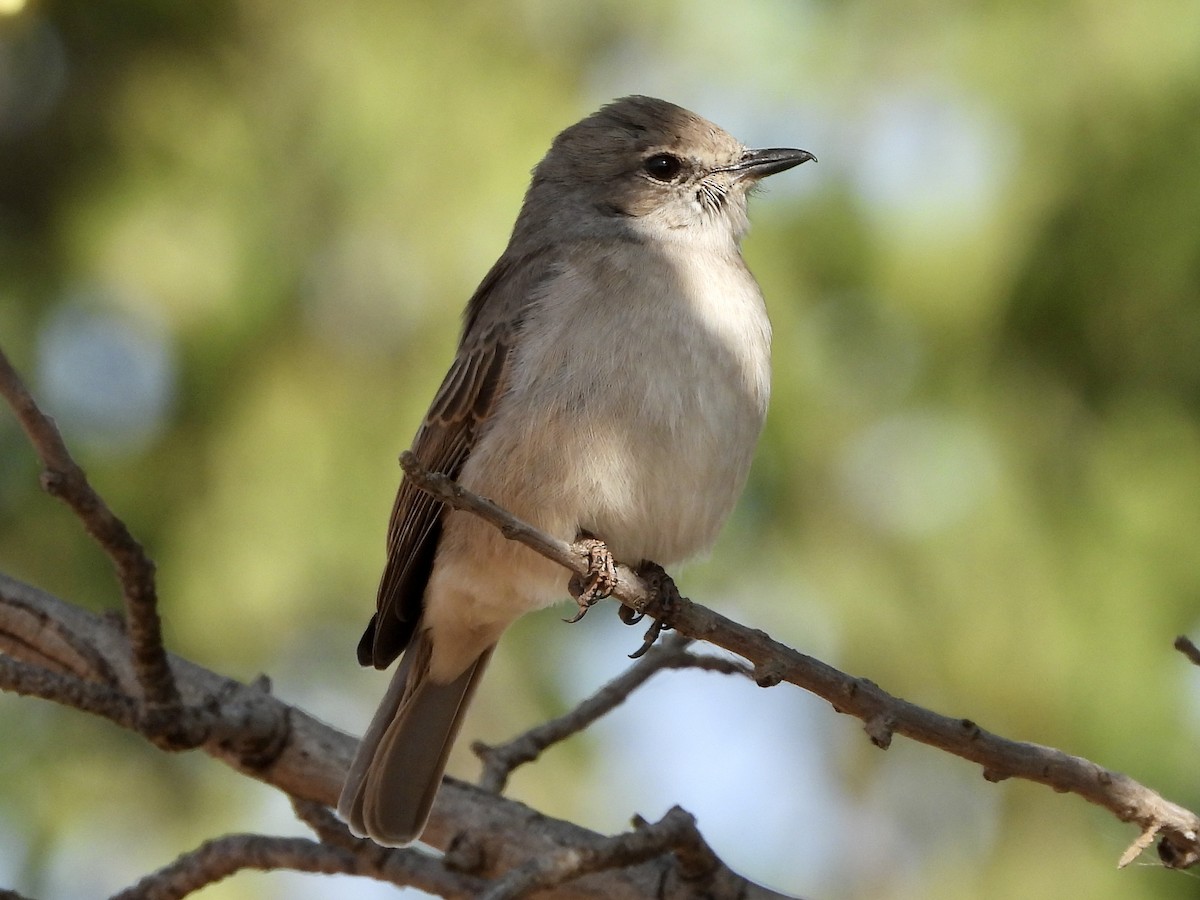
1185,646
696,860
466,853
53,482
168,727
769,673
262,682
1179,851
499,761
852,687
880,729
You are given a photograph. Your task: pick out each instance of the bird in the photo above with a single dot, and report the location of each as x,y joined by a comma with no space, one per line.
611,380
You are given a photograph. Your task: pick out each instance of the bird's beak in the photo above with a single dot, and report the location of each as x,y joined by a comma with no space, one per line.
756,164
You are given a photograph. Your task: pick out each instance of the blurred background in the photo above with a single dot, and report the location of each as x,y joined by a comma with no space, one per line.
235,239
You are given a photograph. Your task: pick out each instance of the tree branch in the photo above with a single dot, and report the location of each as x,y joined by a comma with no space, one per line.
501,760
62,477
283,746
882,714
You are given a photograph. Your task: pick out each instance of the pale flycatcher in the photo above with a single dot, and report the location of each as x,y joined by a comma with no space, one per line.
611,380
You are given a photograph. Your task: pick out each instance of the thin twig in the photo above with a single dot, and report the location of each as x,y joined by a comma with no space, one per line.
217,859
884,715
501,760
1134,850
674,833
629,588
63,478
34,681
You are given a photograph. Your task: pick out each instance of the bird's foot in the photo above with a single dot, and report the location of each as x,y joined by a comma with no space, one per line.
664,600
601,577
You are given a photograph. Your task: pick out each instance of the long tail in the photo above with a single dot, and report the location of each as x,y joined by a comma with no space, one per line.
391,784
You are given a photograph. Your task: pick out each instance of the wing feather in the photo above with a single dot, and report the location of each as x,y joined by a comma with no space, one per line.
460,411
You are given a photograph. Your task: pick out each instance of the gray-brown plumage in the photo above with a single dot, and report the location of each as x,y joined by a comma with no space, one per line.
612,378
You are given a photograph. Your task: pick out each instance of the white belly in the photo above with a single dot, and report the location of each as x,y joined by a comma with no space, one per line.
641,434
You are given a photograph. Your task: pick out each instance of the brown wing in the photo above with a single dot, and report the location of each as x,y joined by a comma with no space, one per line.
459,411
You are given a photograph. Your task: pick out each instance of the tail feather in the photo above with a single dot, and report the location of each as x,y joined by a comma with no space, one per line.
395,775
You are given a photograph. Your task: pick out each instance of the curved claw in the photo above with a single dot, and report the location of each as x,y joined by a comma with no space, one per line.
630,616
583,608
652,633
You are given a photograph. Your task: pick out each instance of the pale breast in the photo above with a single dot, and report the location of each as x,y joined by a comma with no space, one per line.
642,382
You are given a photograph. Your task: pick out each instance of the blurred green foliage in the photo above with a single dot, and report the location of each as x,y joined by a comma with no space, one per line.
234,241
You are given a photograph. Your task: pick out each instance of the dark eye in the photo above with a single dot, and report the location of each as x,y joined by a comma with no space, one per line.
663,166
